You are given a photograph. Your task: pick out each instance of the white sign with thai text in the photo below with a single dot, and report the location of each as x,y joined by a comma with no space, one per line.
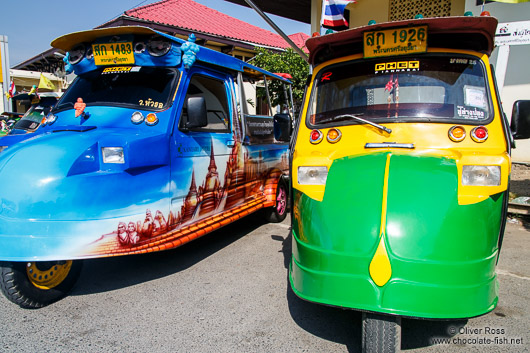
513,33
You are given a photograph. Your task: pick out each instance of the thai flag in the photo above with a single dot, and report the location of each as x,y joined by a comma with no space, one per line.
333,13
12,89
390,84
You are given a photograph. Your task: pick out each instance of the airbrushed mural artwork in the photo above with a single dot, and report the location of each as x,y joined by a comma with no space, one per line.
247,184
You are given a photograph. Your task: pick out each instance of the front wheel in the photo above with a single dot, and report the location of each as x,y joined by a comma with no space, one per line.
33,285
381,333
278,212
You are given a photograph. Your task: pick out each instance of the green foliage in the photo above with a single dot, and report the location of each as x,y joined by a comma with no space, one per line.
284,62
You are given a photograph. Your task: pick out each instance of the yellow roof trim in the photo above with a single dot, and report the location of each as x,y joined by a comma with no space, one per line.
68,41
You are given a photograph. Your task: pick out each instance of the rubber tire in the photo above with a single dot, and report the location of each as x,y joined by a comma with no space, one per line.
271,213
381,333
16,286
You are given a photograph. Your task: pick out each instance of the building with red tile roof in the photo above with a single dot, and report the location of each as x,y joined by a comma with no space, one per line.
200,19
212,29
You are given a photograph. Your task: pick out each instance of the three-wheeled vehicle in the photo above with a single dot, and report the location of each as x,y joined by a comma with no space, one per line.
7,120
400,174
153,145
36,115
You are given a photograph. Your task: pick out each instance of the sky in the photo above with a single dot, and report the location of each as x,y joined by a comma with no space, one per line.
31,25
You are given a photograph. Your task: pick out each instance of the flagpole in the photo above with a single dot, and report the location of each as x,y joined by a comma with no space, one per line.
322,16
278,30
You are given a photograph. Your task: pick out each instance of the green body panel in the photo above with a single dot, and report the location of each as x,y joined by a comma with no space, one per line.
442,254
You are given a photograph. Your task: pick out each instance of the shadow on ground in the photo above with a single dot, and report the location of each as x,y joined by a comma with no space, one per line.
107,274
344,326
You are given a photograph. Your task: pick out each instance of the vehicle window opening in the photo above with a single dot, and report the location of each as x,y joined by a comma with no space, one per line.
266,99
214,93
147,88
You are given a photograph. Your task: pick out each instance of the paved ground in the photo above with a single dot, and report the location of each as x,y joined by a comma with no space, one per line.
228,292
520,180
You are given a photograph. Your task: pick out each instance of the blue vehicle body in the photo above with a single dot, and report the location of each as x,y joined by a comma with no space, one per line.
170,185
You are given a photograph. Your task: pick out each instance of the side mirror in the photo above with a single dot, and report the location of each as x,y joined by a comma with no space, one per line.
197,114
520,125
282,127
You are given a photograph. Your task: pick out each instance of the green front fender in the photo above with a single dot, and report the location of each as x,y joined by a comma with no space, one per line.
442,255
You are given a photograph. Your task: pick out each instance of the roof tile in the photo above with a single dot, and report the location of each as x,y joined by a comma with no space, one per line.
188,14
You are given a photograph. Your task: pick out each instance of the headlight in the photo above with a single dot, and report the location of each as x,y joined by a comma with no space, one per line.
50,119
77,54
2,148
312,175
113,155
158,46
481,175
137,118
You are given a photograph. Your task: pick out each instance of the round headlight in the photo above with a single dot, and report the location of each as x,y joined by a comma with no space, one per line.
139,47
158,46
50,119
77,54
89,54
137,118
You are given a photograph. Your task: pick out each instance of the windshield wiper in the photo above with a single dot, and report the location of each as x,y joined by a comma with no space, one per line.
62,105
357,118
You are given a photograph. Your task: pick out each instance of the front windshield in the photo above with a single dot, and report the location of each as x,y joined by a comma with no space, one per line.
147,88
424,88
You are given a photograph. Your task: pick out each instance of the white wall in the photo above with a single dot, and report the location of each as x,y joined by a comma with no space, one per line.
517,80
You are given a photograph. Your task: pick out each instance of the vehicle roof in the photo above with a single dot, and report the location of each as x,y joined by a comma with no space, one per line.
27,96
206,55
457,32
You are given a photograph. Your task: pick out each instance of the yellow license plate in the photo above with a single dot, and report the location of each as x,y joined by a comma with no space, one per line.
113,53
395,41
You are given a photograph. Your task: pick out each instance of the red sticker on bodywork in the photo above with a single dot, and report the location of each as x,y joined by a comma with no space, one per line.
326,76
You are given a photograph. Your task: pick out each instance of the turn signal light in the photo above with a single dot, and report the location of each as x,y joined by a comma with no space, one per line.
457,133
151,119
315,137
479,134
334,135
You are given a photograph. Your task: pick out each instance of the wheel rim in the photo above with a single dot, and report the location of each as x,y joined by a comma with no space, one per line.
47,275
281,200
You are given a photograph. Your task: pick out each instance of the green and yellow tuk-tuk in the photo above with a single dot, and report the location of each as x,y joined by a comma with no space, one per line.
400,174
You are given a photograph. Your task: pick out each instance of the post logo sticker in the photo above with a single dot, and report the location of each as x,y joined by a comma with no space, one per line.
117,69
397,66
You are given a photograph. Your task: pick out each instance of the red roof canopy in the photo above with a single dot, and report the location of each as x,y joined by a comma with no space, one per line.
188,14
